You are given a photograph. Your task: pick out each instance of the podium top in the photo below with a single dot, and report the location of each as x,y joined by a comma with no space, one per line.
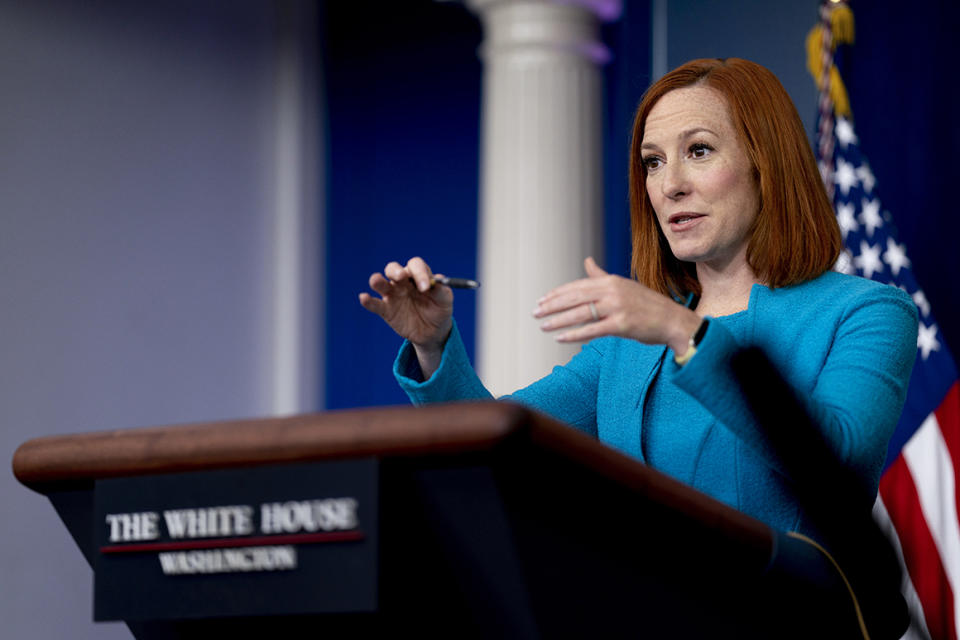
56,462
382,432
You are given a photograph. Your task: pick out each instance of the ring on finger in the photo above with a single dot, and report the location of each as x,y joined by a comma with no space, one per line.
593,311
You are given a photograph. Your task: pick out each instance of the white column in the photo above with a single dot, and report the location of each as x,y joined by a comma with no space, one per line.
541,200
294,315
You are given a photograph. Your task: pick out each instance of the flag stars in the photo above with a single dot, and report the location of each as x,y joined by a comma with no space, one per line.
866,177
869,259
920,299
845,134
927,340
845,176
845,218
870,215
896,257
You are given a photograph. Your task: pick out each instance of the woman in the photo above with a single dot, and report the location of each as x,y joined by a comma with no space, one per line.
727,207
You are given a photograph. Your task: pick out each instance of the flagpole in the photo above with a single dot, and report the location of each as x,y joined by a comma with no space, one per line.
825,133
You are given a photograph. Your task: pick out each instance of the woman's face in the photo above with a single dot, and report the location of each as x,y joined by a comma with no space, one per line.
699,179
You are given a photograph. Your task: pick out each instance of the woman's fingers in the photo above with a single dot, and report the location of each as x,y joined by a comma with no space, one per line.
593,269
568,296
571,317
416,270
589,331
395,272
409,303
380,284
420,272
398,284
416,276
374,305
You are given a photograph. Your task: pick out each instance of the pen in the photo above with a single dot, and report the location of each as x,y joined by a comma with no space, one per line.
456,283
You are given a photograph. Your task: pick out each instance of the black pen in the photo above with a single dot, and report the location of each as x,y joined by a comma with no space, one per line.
456,283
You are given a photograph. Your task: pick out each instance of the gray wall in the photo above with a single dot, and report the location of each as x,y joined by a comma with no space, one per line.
137,154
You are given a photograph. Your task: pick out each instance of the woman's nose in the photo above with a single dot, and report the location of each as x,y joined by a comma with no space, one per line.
676,182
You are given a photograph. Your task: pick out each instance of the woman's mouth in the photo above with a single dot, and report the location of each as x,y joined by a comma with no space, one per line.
684,221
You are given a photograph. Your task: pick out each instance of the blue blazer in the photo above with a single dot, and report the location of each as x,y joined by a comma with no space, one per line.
845,344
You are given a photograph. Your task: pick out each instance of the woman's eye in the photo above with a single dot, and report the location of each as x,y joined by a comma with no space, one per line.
652,163
700,150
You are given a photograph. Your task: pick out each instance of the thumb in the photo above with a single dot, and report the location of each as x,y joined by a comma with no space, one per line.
593,270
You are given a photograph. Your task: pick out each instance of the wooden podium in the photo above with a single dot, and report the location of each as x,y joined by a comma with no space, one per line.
489,520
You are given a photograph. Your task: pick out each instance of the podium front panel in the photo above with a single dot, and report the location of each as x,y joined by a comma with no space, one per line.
281,540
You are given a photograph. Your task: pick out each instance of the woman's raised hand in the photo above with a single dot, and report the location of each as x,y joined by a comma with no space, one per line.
414,307
607,305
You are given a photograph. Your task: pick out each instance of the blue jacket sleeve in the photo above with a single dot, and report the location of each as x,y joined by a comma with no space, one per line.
453,380
858,394
569,393
863,384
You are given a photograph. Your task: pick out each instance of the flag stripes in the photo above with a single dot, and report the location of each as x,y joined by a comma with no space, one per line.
948,413
921,558
918,627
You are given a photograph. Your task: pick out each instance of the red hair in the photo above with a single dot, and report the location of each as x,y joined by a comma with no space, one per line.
795,236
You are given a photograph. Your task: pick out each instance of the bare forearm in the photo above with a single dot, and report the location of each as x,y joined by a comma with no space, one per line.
430,355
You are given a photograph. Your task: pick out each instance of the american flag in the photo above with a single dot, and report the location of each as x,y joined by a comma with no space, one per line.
918,503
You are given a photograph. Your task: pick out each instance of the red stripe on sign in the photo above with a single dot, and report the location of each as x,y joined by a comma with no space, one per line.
219,543
919,551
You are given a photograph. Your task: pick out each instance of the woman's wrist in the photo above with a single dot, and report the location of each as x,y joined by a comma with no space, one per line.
430,354
683,331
